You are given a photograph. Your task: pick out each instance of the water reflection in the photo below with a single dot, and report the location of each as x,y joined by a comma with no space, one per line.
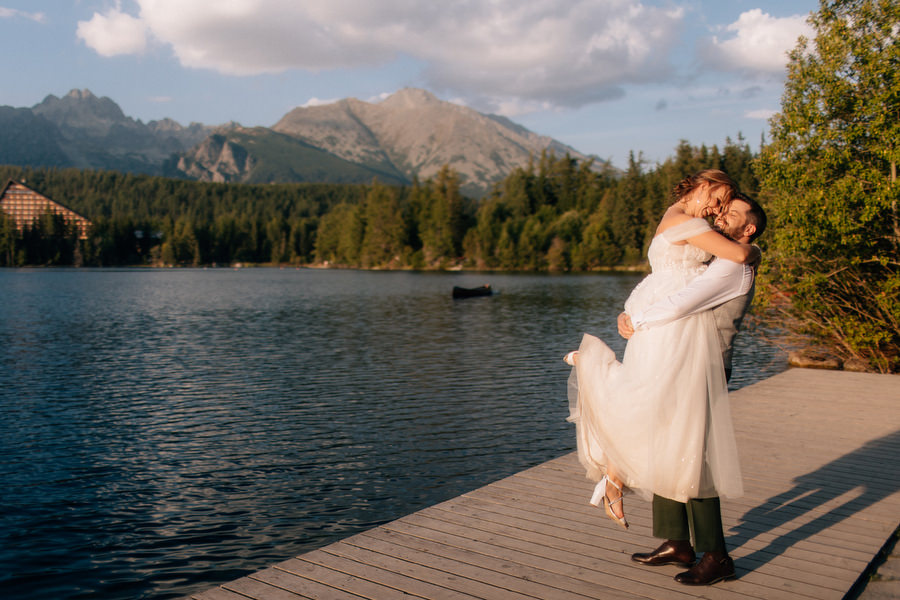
168,430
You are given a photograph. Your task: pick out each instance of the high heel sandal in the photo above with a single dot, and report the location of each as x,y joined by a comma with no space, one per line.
600,496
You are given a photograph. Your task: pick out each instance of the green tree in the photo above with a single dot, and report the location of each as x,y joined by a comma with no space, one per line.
534,241
830,178
598,248
737,161
507,251
50,240
383,237
443,220
481,241
627,211
278,233
9,239
302,240
182,246
566,233
339,236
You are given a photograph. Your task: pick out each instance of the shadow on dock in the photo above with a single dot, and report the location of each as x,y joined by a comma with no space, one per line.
853,477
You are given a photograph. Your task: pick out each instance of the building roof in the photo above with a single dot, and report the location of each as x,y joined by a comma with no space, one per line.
24,205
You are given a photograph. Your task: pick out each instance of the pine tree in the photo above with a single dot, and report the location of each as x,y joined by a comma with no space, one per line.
383,240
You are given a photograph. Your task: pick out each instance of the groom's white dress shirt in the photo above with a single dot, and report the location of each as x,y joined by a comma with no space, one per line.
725,287
722,281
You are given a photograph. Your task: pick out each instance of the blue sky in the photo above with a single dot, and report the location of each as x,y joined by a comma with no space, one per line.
605,76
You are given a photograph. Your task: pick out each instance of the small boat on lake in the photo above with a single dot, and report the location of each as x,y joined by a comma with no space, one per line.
482,290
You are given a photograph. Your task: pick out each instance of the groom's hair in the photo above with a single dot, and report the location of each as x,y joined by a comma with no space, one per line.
756,215
720,185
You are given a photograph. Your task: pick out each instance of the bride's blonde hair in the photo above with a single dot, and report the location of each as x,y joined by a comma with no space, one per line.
721,186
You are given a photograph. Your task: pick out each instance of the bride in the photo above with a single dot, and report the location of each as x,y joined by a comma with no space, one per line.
659,421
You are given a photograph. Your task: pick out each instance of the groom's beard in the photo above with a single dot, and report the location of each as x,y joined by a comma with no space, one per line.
731,235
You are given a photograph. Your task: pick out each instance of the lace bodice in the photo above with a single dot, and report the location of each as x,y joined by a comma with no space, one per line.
673,265
665,256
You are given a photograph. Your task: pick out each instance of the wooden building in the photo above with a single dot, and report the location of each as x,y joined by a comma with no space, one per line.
24,206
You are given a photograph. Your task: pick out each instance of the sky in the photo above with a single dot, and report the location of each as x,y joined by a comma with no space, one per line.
606,77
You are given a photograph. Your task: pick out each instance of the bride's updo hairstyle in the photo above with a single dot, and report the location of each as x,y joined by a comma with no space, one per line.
721,186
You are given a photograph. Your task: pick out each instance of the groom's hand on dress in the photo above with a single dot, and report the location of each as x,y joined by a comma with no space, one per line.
626,329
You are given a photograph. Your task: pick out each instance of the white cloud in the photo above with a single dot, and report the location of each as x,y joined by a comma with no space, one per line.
318,102
756,42
559,52
763,114
113,33
514,107
12,13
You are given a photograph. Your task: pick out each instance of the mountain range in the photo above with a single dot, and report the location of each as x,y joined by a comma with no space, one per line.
409,135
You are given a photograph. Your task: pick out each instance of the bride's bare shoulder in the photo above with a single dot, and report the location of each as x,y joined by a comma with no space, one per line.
674,216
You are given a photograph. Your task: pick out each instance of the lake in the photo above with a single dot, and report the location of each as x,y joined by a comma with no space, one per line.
168,430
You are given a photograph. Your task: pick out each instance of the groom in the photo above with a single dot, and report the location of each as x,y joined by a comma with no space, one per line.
727,288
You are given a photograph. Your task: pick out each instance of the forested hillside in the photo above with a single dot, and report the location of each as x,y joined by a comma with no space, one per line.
554,214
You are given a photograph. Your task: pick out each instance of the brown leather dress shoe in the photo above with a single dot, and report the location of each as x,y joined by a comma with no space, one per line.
712,568
670,552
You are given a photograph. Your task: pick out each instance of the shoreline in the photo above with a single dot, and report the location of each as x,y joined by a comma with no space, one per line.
644,268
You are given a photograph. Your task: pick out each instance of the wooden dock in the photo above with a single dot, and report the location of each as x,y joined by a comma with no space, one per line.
820,453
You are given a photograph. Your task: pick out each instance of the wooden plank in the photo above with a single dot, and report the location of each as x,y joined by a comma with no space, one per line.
294,585
217,594
253,588
508,574
439,572
583,548
566,522
340,581
420,585
556,556
818,504
555,548
552,495
621,566
851,535
836,509
821,569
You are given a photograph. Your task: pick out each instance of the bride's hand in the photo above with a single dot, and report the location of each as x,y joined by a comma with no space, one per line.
626,329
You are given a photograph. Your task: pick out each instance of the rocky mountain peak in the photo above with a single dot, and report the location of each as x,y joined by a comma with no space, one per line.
84,94
94,132
410,98
409,135
82,110
165,124
415,133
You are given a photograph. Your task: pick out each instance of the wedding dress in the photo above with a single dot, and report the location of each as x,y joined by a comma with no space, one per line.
661,416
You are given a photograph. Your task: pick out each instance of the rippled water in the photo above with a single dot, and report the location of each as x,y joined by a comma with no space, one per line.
167,430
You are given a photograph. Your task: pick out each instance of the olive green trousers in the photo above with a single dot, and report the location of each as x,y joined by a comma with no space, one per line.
700,519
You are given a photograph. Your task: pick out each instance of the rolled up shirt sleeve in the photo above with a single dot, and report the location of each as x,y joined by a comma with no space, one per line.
722,281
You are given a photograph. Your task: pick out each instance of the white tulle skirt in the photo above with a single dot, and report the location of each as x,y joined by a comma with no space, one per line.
661,416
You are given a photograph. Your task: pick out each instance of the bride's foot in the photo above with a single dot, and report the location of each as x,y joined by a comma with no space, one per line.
570,358
610,501
613,504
